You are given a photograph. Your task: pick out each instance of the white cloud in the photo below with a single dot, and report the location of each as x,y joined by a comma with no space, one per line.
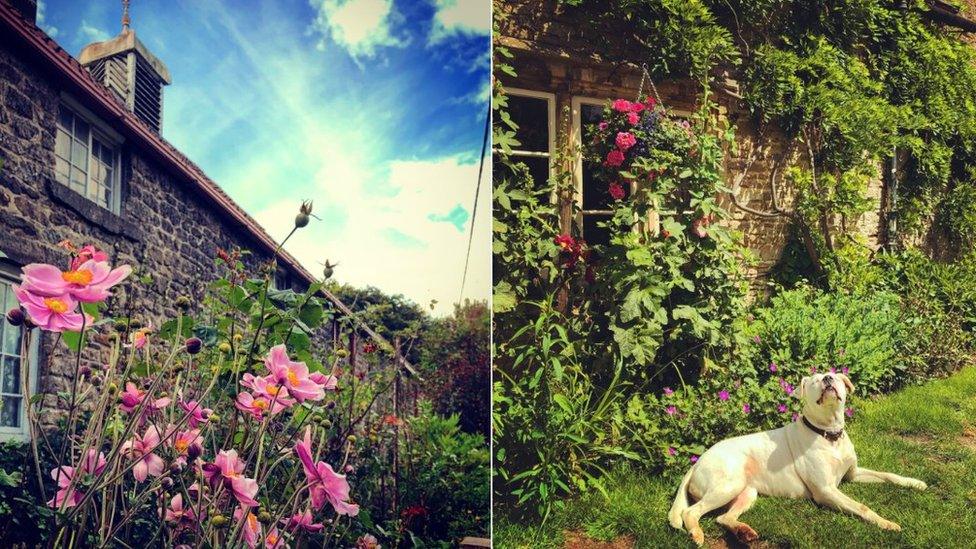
479,96
51,30
90,33
361,27
453,17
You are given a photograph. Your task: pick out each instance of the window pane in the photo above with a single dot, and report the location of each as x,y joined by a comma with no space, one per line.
532,116
82,129
11,375
78,180
10,414
594,234
79,154
62,146
64,118
61,170
11,340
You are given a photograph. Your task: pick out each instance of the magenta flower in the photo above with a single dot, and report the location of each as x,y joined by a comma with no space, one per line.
93,464
782,408
88,252
694,459
141,449
845,370
746,408
723,395
88,282
293,375
849,412
324,484
302,521
252,528
52,313
616,191
625,140
602,126
633,118
672,451
622,105
615,158
786,386
183,517
833,370
671,410
813,369
133,396
198,414
796,416
772,367
228,469
668,391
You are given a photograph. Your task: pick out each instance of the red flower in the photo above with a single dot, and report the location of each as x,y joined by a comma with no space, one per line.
565,242
633,118
625,140
621,105
571,250
650,103
615,158
616,191
636,107
369,347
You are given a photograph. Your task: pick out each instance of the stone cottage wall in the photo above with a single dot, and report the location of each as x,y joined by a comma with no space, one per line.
164,231
554,49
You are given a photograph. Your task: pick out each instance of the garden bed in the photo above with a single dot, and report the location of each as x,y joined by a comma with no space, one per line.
904,432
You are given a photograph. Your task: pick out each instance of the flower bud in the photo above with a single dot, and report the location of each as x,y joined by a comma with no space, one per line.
330,405
205,414
352,439
304,211
183,303
342,353
175,468
84,371
16,316
112,388
219,521
224,347
166,483
238,338
194,452
265,517
193,345
349,469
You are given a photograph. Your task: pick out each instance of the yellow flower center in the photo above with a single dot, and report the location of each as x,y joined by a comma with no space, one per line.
273,390
252,521
182,446
56,305
260,403
82,277
292,378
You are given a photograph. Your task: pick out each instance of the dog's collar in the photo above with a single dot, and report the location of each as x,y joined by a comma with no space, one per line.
832,436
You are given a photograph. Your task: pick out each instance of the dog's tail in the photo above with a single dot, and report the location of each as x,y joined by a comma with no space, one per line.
680,501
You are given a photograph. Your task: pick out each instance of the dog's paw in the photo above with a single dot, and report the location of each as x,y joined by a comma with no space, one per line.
745,534
888,525
917,484
698,536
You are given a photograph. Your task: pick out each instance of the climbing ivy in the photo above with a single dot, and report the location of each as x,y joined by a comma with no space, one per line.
848,82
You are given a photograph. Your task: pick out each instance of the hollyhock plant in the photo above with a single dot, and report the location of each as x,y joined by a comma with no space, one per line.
616,191
615,158
54,313
324,484
141,449
88,282
625,140
302,521
621,105
68,494
228,469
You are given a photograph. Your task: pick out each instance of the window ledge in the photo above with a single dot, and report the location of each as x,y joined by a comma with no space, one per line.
92,212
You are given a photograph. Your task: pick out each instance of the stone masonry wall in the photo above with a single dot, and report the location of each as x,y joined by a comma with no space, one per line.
554,52
163,231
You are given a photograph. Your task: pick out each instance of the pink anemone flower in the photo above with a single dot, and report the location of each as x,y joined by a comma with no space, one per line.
57,313
302,521
293,375
269,388
274,540
133,396
183,517
182,441
328,382
258,405
93,464
141,449
252,528
229,469
198,414
324,484
88,282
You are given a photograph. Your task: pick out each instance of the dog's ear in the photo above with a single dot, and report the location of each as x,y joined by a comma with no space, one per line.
847,382
803,387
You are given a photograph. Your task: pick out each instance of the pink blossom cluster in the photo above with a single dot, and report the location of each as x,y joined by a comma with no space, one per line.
51,296
286,384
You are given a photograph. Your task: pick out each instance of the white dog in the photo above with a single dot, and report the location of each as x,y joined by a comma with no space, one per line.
807,458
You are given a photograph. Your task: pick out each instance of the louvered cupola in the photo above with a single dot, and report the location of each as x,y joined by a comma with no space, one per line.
126,67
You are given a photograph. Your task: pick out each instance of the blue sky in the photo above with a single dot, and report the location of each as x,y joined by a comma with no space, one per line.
374,109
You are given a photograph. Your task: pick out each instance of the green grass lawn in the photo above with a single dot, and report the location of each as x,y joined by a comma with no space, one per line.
927,432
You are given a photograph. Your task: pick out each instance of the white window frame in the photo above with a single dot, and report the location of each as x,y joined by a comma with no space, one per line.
21,433
577,103
550,99
101,131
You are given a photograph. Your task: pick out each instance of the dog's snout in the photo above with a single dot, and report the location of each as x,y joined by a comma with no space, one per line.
828,380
